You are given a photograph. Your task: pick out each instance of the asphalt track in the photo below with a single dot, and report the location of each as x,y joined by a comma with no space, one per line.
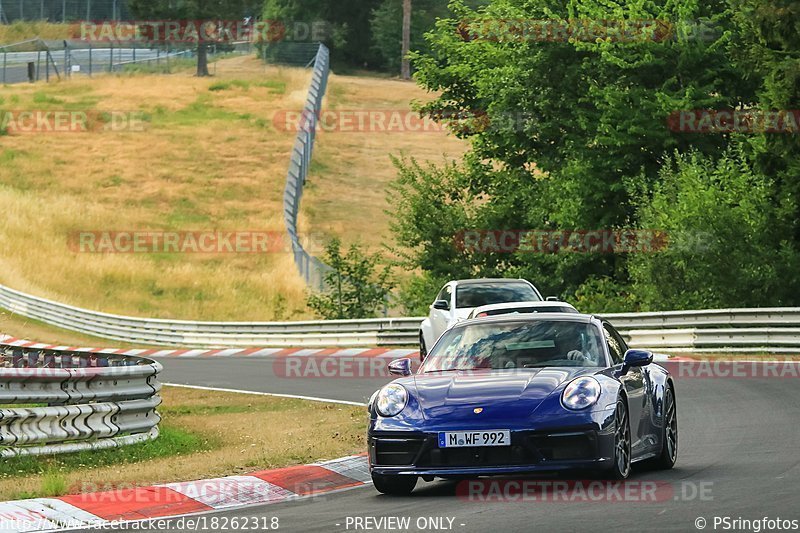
738,446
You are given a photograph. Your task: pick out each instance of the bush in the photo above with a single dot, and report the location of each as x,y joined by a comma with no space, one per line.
603,295
357,286
417,293
728,245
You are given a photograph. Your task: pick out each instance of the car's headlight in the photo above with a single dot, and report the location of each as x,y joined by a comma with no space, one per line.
581,393
391,400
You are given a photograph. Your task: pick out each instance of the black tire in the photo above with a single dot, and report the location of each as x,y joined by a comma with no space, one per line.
669,442
423,350
394,485
621,468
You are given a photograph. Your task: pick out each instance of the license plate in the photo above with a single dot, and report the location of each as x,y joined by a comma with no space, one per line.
463,439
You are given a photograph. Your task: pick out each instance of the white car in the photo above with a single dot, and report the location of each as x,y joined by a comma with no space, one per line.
550,306
457,299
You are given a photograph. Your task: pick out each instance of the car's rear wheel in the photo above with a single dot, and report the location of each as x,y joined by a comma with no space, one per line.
394,485
423,350
622,443
669,442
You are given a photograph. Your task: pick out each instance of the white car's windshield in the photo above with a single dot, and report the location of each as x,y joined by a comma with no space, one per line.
517,344
487,293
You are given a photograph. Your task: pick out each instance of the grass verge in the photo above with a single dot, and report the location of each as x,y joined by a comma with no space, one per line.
207,160
203,434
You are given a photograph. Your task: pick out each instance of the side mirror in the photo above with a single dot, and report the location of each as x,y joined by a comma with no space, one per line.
636,358
443,305
552,299
400,367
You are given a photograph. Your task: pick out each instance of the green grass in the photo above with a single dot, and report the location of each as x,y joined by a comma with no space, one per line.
175,64
275,86
172,442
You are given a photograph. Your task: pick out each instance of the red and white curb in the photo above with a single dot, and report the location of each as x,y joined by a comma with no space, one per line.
388,353
178,499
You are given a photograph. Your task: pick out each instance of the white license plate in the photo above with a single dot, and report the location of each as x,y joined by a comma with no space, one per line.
463,439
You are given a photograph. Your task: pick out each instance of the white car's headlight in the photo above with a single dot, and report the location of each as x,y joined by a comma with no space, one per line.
391,400
581,393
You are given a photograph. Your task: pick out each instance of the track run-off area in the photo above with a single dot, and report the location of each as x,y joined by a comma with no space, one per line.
738,467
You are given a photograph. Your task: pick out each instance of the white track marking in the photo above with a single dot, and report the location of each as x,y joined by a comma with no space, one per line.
254,393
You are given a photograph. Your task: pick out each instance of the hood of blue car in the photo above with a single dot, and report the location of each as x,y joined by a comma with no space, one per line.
501,394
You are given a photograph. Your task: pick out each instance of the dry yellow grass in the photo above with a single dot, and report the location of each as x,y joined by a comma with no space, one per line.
21,31
346,192
209,160
249,433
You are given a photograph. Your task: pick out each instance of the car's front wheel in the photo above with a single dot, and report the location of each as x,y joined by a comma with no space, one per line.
622,443
423,350
394,485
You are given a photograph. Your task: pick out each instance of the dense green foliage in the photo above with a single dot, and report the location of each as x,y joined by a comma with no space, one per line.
364,33
357,286
573,134
346,22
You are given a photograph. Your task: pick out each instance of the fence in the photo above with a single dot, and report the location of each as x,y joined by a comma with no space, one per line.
312,269
63,10
22,61
80,401
68,58
773,330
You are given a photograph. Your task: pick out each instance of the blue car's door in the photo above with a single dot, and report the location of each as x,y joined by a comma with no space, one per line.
636,383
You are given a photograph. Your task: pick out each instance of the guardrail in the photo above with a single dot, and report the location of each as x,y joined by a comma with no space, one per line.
71,401
311,268
775,330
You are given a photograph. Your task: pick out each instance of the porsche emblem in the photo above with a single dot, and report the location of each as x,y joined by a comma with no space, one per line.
478,410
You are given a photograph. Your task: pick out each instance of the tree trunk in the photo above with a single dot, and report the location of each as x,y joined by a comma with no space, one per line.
405,69
202,60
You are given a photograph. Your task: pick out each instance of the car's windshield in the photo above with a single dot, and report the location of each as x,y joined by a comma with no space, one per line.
478,294
517,344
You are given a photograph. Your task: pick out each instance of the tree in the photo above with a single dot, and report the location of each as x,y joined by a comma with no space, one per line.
727,245
193,10
387,26
356,286
348,23
405,71
569,129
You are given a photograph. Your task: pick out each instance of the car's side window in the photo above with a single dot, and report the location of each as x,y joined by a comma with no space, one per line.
614,346
447,295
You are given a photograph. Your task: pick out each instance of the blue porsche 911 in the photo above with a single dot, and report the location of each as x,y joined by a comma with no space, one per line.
520,394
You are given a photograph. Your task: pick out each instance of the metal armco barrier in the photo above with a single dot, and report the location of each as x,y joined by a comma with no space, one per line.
72,401
774,330
323,334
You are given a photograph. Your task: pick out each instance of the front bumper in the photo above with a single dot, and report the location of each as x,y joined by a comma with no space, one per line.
417,453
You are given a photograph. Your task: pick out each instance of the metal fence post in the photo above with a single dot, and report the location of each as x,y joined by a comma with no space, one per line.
5,63
38,64
90,59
